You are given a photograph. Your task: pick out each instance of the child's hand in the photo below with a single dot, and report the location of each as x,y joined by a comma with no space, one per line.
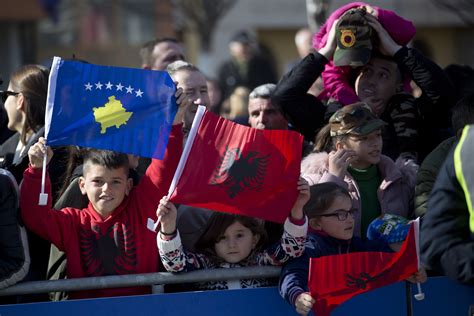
303,197
370,10
167,214
387,45
183,103
418,277
328,49
304,302
339,160
36,154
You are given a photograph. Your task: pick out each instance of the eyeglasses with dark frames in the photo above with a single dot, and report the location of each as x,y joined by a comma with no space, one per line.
5,94
341,214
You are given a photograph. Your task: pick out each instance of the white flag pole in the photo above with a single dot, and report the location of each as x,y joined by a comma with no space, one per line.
420,295
151,225
53,76
43,197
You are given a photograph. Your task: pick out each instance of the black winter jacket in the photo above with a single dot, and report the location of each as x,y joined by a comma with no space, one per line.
304,111
447,244
14,254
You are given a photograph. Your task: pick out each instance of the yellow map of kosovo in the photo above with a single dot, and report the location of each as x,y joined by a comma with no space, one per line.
111,114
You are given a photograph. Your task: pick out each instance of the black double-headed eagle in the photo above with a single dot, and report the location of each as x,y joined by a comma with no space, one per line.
237,172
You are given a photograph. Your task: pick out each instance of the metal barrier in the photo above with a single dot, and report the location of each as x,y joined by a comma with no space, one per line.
145,279
443,297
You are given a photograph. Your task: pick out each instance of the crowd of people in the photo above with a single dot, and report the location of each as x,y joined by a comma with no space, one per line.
371,147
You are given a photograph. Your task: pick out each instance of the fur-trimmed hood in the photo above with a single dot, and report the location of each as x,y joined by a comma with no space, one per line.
314,166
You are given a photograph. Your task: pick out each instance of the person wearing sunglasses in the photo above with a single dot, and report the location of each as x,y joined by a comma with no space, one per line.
24,101
331,219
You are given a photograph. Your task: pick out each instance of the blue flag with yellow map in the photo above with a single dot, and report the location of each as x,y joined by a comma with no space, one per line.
121,109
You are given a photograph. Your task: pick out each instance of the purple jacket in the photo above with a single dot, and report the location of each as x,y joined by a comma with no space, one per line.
336,84
395,193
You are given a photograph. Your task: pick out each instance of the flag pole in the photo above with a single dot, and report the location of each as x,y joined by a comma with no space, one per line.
420,295
151,225
43,197
53,76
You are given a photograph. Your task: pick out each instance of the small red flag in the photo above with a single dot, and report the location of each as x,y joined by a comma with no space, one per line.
335,279
237,169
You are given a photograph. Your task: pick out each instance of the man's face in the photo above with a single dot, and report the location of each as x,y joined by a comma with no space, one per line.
263,115
165,53
194,85
377,82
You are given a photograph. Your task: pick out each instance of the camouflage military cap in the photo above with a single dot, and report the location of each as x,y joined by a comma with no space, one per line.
356,119
354,39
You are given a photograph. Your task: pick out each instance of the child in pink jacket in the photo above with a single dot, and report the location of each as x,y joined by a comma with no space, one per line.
336,79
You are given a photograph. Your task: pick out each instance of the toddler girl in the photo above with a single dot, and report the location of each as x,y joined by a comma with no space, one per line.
231,241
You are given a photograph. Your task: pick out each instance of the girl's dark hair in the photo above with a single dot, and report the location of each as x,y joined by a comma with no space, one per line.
106,158
324,142
75,156
322,196
216,227
32,82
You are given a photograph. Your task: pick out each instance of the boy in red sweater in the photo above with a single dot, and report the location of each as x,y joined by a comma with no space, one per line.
109,237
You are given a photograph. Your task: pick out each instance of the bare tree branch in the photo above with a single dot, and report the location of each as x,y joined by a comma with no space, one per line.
462,8
203,15
316,13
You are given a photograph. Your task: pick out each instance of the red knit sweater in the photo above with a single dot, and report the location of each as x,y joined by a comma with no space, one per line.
120,244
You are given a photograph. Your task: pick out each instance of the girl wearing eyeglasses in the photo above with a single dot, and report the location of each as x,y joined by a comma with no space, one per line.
348,152
331,220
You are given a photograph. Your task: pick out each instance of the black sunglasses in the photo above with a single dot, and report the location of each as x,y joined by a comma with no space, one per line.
341,214
5,94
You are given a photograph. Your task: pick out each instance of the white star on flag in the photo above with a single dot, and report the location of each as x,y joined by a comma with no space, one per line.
108,86
88,86
129,89
139,93
98,85
119,87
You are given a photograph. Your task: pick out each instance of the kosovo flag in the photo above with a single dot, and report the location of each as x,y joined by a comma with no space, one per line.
237,169
121,109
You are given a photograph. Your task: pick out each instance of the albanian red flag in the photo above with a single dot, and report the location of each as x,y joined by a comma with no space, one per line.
335,279
232,168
